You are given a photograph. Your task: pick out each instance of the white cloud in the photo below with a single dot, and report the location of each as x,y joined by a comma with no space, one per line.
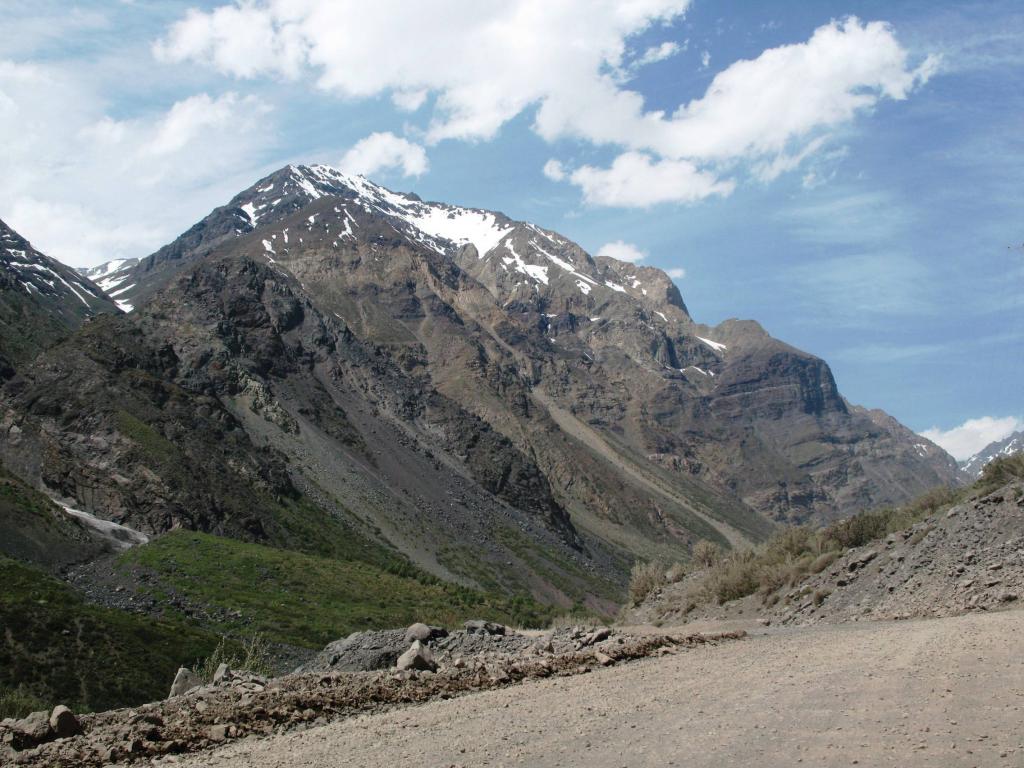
705,59
487,63
196,117
676,273
622,251
658,53
85,187
635,180
554,170
964,441
383,151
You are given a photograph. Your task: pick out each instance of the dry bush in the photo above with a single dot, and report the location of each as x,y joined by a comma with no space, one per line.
677,573
736,576
823,561
706,553
644,579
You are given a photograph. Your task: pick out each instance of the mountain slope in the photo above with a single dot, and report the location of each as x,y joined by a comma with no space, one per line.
477,392
1009,445
41,300
502,315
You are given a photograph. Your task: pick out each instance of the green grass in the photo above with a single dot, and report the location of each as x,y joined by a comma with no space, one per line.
56,649
309,601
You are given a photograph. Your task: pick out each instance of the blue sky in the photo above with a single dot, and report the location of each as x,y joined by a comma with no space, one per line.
853,186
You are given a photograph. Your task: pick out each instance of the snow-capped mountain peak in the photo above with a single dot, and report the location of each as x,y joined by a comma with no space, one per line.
1008,446
114,277
45,278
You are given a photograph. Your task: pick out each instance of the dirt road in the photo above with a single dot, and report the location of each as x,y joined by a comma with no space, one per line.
939,692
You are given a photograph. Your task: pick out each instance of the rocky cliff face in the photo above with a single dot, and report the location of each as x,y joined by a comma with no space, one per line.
479,392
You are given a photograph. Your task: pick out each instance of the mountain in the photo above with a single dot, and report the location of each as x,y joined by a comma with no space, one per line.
111,277
1008,446
323,360
41,300
512,320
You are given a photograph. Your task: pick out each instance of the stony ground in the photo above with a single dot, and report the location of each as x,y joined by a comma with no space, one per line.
939,692
970,558
248,707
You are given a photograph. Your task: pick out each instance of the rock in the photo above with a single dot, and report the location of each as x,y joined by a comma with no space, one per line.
63,722
218,732
417,657
184,681
424,633
360,652
599,634
603,659
479,627
1007,597
544,644
222,672
31,730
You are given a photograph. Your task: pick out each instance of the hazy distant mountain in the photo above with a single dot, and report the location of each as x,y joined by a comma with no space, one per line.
1009,445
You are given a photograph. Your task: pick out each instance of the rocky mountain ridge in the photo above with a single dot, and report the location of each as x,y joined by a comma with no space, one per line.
41,299
478,392
974,466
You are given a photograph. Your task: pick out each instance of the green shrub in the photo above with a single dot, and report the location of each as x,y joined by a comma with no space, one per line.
252,655
999,472
18,702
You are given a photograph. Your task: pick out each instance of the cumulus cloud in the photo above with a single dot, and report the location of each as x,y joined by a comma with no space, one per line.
86,187
964,441
622,251
487,63
385,151
636,180
676,273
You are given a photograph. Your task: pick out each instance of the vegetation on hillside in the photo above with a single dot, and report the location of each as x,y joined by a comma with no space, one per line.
309,601
793,552
55,648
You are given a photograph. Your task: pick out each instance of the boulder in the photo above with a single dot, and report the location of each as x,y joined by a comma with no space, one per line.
359,652
222,672
31,730
417,657
478,627
63,722
184,681
424,633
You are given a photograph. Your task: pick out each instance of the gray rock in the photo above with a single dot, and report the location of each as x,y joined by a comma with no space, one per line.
417,657
31,730
63,722
222,672
479,627
424,633
184,681
359,652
